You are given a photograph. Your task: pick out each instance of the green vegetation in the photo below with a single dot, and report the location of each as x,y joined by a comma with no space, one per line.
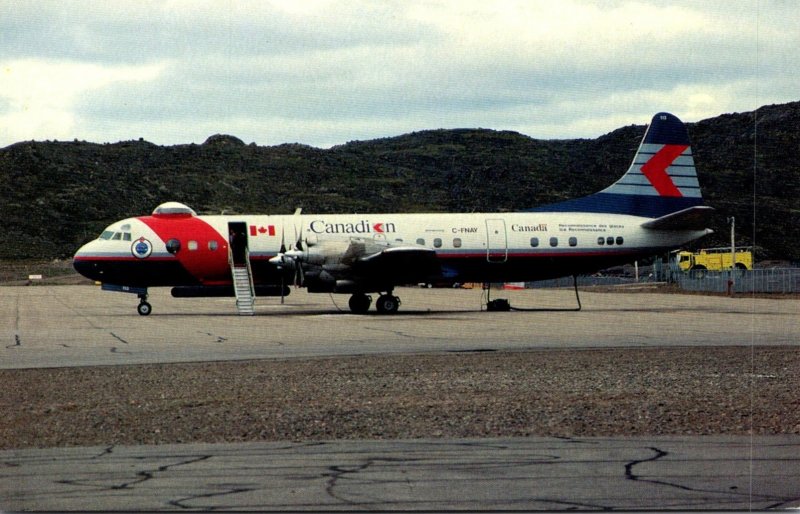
58,195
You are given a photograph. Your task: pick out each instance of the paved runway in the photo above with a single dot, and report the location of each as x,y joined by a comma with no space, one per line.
83,326
659,473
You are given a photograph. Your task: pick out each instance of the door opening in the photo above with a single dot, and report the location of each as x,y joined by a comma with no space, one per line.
237,237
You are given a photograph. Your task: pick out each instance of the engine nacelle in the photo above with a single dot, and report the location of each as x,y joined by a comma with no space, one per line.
324,282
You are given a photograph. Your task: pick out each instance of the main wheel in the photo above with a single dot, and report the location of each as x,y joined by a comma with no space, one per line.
144,309
359,303
387,304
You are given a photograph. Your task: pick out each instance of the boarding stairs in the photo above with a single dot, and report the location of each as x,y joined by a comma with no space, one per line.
243,286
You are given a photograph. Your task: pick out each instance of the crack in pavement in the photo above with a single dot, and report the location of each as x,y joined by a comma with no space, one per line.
403,334
141,476
219,339
118,338
439,475
338,473
180,502
659,454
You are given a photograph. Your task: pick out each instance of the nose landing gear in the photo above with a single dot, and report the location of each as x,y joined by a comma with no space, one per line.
144,308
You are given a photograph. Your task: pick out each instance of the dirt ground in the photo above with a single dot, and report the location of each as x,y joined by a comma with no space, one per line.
597,392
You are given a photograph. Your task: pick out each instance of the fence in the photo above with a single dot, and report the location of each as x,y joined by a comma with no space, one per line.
777,280
586,280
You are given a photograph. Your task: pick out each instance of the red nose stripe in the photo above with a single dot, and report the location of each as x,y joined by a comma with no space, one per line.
202,262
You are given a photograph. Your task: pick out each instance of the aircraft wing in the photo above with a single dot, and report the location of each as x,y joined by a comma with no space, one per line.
400,263
693,218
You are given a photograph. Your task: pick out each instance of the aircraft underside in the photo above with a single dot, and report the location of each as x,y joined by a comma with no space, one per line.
135,277
171,273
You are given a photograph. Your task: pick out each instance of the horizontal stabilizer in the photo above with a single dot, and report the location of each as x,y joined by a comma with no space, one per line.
693,218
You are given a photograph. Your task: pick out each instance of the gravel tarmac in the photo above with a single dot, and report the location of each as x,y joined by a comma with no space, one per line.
562,393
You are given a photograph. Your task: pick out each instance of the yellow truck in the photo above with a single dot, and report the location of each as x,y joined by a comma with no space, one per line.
714,259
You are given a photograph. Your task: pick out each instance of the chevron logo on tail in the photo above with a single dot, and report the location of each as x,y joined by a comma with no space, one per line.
655,169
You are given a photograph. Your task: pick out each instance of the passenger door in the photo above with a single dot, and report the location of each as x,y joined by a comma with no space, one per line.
496,241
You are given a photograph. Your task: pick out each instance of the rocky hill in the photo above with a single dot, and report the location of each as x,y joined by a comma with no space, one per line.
58,195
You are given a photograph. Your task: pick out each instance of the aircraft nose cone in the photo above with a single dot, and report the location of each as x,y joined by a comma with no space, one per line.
88,268
85,265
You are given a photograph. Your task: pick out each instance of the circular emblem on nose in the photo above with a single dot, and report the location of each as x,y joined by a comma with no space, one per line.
141,248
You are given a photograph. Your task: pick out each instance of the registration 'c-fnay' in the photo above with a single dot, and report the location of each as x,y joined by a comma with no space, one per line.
656,206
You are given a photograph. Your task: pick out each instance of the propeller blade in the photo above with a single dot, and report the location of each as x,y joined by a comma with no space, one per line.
298,276
298,235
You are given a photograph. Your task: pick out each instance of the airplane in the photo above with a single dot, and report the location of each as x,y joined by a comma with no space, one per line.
656,206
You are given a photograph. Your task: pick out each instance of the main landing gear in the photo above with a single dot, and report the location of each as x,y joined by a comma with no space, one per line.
387,303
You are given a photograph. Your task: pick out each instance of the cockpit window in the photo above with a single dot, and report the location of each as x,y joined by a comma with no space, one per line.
111,235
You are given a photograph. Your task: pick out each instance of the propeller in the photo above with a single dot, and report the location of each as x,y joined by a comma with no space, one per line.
281,251
298,236
291,258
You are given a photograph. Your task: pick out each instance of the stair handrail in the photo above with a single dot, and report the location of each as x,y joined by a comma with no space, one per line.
249,274
233,266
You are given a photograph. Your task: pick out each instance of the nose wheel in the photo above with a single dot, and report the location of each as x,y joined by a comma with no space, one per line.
144,308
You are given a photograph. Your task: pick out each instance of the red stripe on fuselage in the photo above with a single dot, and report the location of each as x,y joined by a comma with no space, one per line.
656,169
203,263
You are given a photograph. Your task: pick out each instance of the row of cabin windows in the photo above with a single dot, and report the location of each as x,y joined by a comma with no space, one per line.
609,240
573,241
174,246
437,242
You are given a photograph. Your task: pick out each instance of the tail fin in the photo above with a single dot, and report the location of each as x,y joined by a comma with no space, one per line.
661,180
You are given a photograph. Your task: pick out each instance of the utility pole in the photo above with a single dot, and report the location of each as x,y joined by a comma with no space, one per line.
732,280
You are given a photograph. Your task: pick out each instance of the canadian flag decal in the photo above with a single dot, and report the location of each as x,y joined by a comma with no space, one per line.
260,230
